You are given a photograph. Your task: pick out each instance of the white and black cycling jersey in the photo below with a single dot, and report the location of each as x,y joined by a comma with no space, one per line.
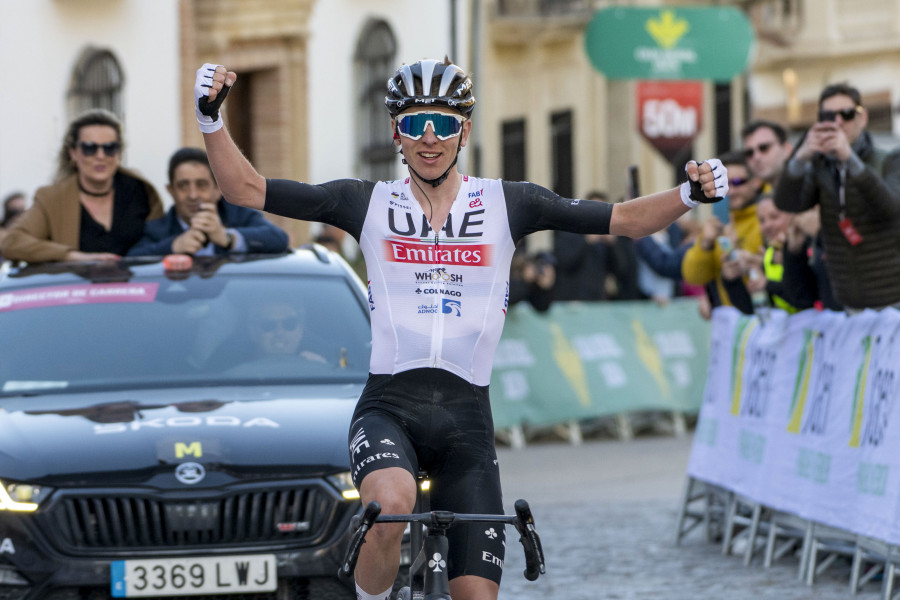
437,298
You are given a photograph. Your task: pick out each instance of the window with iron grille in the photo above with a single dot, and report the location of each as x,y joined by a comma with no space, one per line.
513,159
375,62
97,82
562,159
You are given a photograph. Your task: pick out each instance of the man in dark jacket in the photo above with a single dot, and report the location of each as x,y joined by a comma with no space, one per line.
201,222
857,188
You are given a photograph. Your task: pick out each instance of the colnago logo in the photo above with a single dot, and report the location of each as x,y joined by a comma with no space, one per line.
428,253
442,292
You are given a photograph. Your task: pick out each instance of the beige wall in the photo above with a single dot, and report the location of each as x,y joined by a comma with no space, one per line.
266,41
857,41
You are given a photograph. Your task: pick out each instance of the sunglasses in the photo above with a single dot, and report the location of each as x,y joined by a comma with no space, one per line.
847,114
737,181
285,324
762,149
444,126
109,148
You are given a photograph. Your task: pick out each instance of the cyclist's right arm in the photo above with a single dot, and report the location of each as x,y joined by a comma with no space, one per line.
340,203
235,176
237,179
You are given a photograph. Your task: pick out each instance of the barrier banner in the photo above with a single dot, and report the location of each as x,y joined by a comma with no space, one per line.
798,415
582,360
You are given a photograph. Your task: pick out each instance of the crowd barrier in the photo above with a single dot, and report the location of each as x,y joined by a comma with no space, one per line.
798,415
582,360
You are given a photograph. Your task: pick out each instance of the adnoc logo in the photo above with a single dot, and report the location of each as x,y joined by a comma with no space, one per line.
451,307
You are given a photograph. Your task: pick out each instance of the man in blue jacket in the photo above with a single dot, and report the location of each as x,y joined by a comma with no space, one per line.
201,222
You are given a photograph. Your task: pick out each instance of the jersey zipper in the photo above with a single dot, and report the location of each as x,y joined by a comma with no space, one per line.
437,330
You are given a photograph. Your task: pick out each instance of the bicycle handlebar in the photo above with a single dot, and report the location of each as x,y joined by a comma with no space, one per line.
523,522
531,542
360,525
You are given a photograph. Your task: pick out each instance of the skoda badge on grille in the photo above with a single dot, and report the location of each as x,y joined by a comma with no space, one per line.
190,473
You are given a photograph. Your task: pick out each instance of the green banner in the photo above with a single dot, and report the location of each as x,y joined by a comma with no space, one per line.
589,359
670,43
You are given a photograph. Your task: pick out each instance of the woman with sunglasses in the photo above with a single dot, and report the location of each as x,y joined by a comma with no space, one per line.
438,246
96,209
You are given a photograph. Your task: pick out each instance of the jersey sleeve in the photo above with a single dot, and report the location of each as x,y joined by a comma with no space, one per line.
342,203
534,208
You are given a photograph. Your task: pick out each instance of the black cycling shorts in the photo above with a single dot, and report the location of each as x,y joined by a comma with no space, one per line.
434,421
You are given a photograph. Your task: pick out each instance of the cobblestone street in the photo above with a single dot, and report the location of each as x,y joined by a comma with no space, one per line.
606,512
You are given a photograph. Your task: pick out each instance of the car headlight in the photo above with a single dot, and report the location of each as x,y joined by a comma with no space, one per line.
22,497
344,484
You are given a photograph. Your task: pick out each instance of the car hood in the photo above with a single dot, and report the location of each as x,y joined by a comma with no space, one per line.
131,437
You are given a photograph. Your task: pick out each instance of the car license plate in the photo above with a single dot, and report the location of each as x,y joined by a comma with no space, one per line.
194,576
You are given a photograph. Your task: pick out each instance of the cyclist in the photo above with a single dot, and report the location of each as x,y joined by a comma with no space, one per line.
437,246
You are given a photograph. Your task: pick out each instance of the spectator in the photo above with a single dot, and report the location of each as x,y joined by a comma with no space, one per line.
200,221
804,262
705,261
857,188
766,149
660,257
14,206
775,225
532,278
594,267
96,210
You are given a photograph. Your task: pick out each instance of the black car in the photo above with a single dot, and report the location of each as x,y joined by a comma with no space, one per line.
179,433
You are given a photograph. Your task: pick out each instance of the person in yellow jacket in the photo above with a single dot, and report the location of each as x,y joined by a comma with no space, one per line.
703,262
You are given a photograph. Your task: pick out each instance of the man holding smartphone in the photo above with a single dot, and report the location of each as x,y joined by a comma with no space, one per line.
857,187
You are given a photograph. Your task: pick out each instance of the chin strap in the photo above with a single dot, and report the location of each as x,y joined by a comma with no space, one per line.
439,180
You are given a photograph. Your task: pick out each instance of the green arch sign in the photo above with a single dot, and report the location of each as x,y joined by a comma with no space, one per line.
670,42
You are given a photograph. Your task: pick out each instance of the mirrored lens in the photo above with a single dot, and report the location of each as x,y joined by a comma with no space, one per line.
445,126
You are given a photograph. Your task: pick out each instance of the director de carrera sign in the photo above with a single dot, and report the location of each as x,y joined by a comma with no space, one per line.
712,43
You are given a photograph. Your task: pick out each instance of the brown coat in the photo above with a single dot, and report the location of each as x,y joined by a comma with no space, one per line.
52,226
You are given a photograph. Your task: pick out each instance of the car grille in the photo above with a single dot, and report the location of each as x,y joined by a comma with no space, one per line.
94,524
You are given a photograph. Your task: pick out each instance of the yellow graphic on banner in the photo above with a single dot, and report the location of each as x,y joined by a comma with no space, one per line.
860,395
801,387
737,371
667,30
570,364
649,355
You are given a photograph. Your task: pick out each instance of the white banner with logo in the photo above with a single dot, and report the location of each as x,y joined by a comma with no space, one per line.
798,414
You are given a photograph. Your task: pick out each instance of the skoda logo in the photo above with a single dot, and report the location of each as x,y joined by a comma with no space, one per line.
190,473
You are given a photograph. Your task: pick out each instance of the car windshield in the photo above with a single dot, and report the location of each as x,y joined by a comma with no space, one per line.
158,332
